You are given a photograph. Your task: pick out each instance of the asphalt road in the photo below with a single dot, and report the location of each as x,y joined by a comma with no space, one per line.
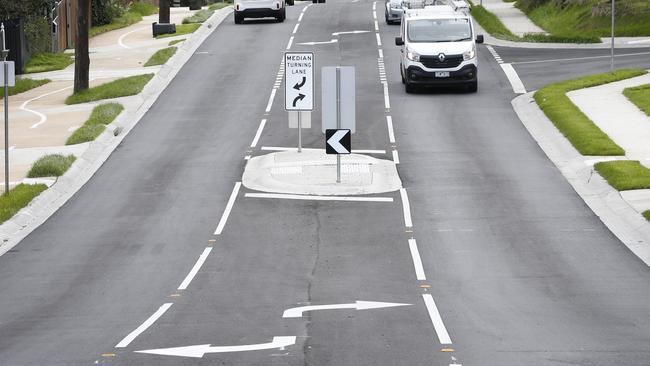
521,271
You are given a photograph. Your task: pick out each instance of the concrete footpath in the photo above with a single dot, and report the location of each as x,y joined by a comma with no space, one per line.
627,126
513,18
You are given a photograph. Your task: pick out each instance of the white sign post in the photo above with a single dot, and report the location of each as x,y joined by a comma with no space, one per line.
299,86
8,79
338,105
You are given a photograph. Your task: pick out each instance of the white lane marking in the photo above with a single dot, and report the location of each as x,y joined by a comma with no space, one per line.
378,39
395,157
42,118
295,29
195,269
290,43
120,41
277,148
226,212
381,53
580,58
376,25
386,97
406,206
318,198
271,97
247,157
417,261
374,15
513,78
358,305
494,54
259,133
301,15
436,319
147,323
198,351
374,6
391,133
315,43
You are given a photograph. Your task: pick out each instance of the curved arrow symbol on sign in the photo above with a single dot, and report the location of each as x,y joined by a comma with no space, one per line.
299,97
301,84
359,305
199,350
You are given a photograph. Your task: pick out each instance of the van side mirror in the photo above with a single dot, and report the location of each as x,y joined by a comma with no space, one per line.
399,41
479,39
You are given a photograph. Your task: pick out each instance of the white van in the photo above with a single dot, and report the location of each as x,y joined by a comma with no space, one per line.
438,46
261,9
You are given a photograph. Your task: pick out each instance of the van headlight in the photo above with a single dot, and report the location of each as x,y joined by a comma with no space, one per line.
413,56
470,54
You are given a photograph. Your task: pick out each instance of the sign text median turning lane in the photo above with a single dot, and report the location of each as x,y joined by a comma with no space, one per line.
298,81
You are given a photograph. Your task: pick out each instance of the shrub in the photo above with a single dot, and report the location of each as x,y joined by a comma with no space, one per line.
54,165
105,11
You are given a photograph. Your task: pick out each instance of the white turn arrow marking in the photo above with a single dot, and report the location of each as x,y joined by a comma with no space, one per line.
335,141
315,43
350,32
199,350
359,305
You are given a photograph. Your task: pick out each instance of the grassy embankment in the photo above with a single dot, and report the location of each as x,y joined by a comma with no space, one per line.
640,96
23,85
101,116
123,87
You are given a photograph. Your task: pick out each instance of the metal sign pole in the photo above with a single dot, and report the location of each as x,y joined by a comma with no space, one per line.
299,131
5,53
338,120
613,31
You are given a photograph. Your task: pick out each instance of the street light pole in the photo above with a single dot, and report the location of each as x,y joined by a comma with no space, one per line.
5,53
613,31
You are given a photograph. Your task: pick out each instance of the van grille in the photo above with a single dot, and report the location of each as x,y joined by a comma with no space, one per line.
433,62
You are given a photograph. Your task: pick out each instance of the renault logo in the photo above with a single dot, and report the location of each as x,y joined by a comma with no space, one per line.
441,57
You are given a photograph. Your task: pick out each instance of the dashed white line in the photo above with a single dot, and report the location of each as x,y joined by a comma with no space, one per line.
195,269
378,39
436,319
376,25
259,133
318,198
386,97
290,43
295,29
381,53
271,97
395,157
226,212
406,206
513,78
301,15
391,132
147,323
417,261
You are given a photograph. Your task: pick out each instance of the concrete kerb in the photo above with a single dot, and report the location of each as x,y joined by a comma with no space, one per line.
622,219
42,207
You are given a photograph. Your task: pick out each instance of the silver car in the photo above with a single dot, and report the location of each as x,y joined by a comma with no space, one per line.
393,11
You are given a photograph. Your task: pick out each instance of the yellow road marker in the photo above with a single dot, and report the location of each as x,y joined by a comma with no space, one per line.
175,295
108,354
212,241
425,286
447,350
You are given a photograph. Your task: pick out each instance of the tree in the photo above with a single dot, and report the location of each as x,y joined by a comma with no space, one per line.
163,12
82,58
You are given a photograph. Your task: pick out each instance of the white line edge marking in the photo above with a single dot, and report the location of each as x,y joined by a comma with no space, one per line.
259,133
386,97
580,58
271,97
376,25
195,269
515,81
301,15
226,212
277,148
406,207
290,43
147,323
381,53
395,157
391,132
318,198
295,29
436,319
417,260
378,39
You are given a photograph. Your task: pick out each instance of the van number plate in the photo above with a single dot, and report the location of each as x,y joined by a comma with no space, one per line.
442,74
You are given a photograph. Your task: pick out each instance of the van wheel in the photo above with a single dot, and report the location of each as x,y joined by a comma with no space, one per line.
290,2
239,18
473,87
408,87
282,16
402,75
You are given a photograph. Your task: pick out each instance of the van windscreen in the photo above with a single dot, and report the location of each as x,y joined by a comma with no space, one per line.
439,30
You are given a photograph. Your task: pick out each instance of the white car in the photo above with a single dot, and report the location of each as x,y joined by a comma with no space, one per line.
393,11
438,47
260,9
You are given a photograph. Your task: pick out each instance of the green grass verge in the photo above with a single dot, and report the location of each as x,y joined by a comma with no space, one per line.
624,175
217,6
17,198
47,61
124,87
54,165
646,214
640,96
180,30
144,9
177,41
199,17
496,28
101,116
583,134
130,17
23,85
161,56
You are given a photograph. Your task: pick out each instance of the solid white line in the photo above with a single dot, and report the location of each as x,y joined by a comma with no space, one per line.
318,198
417,261
290,43
270,103
300,17
378,39
147,323
120,40
42,117
395,157
391,133
386,97
277,148
513,78
195,269
295,29
259,133
226,212
406,206
439,326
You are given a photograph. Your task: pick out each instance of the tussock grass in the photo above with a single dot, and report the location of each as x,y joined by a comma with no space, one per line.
199,17
118,88
54,165
101,116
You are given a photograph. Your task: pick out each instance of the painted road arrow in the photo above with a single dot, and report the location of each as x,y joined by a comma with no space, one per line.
199,350
301,84
350,32
359,305
315,43
299,97
337,141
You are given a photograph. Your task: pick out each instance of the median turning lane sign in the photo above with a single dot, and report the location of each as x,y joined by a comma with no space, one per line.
298,81
338,141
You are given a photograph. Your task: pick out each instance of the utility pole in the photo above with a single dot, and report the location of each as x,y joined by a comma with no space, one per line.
82,58
613,31
163,12
5,53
